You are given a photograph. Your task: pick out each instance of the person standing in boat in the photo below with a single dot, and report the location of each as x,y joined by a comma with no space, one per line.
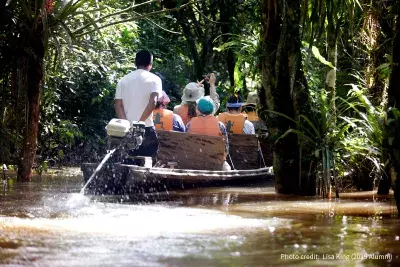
234,120
193,92
135,99
165,119
207,124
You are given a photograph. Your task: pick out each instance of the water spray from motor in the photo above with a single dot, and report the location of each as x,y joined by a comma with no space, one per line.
122,137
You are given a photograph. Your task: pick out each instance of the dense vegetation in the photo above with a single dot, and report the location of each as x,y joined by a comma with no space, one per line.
326,73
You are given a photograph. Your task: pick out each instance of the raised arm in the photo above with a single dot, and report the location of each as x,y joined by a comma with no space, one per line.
213,91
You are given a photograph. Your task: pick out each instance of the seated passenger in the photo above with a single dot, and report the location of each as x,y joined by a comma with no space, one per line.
207,124
191,93
165,119
250,109
235,121
187,109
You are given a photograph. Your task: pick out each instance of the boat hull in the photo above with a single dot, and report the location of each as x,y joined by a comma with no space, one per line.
117,179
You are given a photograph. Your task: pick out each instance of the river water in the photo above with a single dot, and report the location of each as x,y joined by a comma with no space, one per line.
47,223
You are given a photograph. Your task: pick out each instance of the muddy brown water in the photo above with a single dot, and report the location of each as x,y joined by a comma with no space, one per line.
47,223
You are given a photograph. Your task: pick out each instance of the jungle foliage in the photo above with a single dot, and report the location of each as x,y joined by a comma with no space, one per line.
322,70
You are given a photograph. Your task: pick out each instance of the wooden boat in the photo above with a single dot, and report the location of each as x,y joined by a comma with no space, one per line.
183,161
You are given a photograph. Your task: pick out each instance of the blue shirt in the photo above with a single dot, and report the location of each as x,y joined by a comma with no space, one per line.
177,124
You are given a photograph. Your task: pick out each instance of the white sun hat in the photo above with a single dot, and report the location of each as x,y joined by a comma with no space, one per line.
192,92
252,99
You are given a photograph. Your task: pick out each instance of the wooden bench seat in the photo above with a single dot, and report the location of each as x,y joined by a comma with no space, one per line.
190,151
243,149
200,152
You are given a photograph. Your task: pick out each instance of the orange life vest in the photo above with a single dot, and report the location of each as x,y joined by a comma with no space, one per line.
163,119
234,123
183,112
252,116
208,125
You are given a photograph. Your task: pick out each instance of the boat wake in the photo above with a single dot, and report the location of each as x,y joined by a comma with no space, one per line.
77,200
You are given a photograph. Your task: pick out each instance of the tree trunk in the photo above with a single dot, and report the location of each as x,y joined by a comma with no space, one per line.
394,83
330,81
19,84
227,8
377,30
282,88
34,71
198,66
392,140
301,99
230,63
197,35
28,153
380,30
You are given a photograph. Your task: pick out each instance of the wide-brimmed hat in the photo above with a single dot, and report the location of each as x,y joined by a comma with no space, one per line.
205,105
163,99
252,99
192,92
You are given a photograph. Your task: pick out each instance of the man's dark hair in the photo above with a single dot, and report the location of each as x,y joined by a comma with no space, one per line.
234,99
143,58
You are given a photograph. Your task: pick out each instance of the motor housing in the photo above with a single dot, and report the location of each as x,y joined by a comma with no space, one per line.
125,136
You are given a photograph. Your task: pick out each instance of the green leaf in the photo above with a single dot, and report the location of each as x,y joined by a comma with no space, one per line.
53,145
60,154
281,114
358,3
225,46
300,134
321,59
396,113
383,66
26,10
310,123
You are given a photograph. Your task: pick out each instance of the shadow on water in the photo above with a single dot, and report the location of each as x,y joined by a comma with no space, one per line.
47,223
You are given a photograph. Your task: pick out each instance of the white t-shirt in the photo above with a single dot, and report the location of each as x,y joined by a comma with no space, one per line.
134,89
248,128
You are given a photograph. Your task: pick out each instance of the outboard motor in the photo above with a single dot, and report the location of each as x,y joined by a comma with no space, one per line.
124,136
